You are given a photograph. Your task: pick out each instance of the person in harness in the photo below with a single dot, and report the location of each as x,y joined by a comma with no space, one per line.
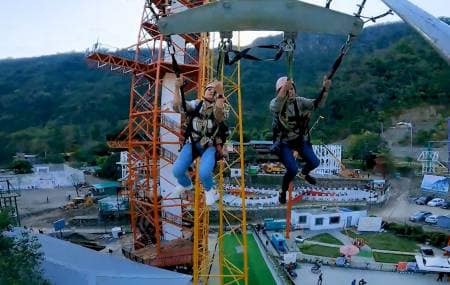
291,114
205,120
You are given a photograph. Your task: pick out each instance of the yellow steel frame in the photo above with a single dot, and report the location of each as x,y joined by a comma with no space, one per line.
237,223
145,120
201,212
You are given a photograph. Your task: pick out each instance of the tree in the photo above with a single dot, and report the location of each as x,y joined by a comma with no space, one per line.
109,167
21,166
385,163
360,146
251,155
20,258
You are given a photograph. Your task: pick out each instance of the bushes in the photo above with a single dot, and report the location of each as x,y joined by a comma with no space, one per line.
437,239
416,233
404,170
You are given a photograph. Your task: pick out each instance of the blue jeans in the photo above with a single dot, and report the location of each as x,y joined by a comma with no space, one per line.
206,168
305,150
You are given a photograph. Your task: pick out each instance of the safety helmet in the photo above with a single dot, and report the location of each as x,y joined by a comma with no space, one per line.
281,81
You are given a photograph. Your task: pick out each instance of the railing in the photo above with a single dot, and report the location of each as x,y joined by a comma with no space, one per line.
168,155
127,54
170,123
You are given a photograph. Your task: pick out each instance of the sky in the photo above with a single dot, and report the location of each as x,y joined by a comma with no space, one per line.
41,27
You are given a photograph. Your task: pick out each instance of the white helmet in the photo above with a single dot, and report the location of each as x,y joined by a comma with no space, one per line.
280,82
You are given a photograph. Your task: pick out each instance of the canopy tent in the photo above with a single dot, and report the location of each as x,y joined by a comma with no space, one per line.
349,250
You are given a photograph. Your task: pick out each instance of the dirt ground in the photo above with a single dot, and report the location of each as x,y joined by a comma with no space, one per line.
38,200
39,208
401,206
36,212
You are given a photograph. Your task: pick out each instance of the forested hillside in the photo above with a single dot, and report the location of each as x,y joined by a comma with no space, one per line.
56,104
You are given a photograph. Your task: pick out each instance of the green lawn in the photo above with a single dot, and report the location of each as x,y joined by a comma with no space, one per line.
326,238
365,253
258,272
386,241
320,250
392,258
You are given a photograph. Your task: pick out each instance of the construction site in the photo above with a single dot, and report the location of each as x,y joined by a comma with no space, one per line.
249,236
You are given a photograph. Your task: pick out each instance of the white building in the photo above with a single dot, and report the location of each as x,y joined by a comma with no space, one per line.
47,176
330,157
325,219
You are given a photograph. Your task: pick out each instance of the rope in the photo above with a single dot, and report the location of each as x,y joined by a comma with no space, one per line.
177,71
361,7
374,19
288,45
224,45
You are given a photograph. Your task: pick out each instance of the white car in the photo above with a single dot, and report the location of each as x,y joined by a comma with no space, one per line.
436,202
431,219
299,239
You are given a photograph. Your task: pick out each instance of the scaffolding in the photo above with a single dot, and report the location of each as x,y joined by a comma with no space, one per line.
171,232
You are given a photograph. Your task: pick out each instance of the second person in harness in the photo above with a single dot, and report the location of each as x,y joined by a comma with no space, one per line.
291,115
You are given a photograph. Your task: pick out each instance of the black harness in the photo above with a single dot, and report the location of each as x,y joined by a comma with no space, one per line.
217,136
281,129
190,124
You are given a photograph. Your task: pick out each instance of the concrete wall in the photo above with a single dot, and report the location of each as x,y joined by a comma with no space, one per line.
45,177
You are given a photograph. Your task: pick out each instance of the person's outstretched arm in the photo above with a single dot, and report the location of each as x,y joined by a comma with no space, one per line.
219,113
319,102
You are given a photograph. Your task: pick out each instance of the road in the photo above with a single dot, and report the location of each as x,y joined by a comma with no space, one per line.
344,276
400,207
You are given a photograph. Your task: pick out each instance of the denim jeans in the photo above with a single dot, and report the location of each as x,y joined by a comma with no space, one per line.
305,150
206,168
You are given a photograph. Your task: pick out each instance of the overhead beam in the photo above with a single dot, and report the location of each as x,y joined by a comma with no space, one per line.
260,15
436,32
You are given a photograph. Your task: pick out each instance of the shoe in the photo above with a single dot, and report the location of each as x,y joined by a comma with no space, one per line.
211,197
178,190
308,178
282,197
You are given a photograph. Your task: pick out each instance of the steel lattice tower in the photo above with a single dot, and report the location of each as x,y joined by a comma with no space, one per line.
170,232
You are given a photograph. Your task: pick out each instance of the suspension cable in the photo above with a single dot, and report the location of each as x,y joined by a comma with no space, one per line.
374,19
361,7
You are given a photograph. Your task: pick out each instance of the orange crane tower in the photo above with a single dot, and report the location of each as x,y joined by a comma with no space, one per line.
171,232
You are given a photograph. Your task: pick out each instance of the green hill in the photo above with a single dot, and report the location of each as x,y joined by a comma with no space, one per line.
57,103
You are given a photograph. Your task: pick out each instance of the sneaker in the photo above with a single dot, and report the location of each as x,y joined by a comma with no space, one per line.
308,178
282,197
178,190
211,197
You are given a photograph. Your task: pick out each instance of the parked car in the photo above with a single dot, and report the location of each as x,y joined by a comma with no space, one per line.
423,200
299,239
436,202
420,216
292,273
427,251
431,219
446,205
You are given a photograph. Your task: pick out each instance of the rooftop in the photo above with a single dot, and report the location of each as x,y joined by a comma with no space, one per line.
104,185
327,210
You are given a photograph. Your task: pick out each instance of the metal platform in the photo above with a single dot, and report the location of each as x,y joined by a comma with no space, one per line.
260,15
